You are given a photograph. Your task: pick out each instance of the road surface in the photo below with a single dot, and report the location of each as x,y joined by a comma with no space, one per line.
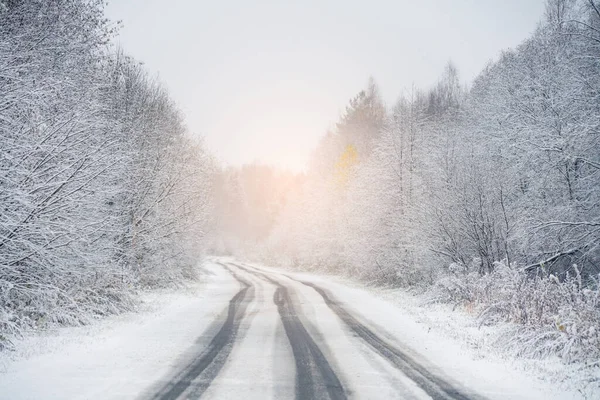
299,342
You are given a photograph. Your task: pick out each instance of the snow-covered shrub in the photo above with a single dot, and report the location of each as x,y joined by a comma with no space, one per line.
548,316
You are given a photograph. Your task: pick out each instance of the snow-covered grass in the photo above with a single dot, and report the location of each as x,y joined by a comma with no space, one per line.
549,326
500,342
554,318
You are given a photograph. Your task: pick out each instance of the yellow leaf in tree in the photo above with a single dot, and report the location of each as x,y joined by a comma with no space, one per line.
344,164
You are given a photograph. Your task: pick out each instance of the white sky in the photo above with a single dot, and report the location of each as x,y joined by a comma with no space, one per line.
263,80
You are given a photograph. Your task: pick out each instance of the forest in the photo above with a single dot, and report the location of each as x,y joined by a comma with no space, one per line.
102,190
484,195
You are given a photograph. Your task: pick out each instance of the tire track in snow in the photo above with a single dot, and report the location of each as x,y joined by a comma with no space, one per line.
209,362
435,386
315,378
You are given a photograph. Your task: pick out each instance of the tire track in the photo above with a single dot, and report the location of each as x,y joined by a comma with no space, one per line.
435,386
209,362
314,375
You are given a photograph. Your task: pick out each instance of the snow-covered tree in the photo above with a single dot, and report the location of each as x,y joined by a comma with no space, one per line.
101,188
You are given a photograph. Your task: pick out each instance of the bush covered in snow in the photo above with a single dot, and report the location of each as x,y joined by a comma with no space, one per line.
551,317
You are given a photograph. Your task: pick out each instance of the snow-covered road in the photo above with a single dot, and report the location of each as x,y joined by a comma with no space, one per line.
258,333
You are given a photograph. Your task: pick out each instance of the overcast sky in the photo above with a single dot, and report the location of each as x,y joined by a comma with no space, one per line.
263,80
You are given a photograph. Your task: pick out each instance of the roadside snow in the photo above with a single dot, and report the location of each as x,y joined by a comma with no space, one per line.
485,343
119,357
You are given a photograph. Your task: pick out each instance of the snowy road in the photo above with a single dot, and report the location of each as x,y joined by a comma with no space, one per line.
283,337
259,333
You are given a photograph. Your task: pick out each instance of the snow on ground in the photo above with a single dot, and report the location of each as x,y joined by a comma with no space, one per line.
452,340
485,342
124,356
118,357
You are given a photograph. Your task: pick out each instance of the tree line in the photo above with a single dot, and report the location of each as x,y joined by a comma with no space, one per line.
102,189
487,196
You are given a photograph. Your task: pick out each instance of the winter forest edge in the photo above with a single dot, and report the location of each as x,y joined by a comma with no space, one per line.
485,197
